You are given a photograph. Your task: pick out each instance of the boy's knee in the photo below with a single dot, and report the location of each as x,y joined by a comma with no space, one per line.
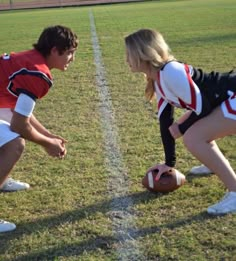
17,146
20,145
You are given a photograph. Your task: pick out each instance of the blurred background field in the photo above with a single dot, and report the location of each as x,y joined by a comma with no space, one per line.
66,213
32,4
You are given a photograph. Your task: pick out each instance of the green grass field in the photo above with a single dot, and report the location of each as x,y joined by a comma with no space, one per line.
68,214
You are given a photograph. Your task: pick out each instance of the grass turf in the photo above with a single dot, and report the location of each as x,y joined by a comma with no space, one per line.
66,215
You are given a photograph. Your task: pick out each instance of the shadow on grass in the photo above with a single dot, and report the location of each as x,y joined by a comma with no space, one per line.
97,242
191,177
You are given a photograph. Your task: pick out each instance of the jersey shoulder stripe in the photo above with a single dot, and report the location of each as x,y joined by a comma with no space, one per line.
25,71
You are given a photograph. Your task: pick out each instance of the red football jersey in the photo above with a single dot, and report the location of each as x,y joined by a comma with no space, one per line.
23,72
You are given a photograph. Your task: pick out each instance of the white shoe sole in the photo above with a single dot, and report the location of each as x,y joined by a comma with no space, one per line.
7,227
200,170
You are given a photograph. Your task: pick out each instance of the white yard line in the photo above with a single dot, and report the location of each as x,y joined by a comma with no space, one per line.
122,215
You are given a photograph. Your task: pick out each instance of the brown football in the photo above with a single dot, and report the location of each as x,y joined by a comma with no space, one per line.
168,182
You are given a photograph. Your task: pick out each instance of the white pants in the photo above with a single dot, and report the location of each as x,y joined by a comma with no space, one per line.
6,134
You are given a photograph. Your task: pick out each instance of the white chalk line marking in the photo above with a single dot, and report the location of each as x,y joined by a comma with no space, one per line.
121,212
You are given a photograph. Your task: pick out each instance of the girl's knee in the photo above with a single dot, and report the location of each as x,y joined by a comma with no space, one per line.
190,140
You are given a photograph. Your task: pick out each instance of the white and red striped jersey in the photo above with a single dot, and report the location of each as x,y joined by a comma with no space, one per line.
174,85
181,85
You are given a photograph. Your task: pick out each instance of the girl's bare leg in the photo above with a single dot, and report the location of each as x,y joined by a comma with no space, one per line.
199,140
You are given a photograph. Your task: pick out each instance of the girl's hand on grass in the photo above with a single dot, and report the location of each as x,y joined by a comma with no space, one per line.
162,168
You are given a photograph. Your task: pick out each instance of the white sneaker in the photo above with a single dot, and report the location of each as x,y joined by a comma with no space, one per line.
225,206
200,170
11,185
6,226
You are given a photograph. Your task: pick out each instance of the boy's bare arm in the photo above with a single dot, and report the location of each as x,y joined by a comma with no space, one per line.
41,129
38,126
22,125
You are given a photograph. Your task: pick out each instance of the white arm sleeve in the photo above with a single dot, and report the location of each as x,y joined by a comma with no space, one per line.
176,79
25,105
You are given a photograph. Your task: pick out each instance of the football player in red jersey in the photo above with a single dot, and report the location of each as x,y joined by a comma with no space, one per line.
25,77
210,101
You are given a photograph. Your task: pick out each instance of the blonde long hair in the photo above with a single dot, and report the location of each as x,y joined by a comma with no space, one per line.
149,46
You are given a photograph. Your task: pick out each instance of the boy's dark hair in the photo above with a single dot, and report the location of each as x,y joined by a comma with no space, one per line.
57,36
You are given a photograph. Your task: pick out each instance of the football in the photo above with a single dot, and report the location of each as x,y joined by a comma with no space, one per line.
168,182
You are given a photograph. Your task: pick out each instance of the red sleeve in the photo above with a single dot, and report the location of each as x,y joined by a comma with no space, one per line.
33,83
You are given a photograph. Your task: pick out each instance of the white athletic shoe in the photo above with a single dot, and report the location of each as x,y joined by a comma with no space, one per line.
225,206
6,226
11,185
200,170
